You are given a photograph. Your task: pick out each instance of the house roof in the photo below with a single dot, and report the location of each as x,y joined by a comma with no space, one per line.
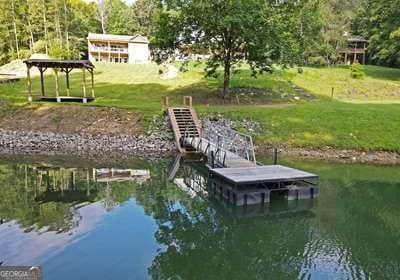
118,38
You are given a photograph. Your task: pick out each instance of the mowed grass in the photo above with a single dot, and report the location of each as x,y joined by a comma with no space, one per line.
141,87
379,85
368,127
286,117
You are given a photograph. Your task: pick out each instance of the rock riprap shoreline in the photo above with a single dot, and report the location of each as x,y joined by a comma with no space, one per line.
49,143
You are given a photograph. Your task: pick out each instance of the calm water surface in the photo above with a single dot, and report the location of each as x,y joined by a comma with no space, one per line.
87,222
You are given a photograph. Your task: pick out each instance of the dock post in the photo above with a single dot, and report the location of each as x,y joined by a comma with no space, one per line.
187,101
212,159
275,155
165,102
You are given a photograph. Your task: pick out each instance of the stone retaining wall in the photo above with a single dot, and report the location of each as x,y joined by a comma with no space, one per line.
48,143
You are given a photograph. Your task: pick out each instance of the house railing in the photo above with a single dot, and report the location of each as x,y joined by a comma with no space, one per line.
107,49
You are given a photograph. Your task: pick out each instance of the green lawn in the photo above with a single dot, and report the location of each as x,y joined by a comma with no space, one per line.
366,119
379,85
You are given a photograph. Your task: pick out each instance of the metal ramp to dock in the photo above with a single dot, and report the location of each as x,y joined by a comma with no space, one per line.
234,171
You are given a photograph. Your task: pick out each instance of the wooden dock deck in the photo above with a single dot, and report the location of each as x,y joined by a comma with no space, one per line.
262,174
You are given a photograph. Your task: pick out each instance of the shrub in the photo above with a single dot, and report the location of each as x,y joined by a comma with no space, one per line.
317,61
300,70
357,71
23,54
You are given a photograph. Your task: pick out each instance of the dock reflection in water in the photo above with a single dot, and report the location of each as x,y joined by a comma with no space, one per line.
130,222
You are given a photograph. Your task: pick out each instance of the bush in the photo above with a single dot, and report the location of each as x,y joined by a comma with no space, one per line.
23,54
357,71
317,61
300,70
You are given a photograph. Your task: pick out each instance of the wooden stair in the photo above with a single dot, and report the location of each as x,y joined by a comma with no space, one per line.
184,123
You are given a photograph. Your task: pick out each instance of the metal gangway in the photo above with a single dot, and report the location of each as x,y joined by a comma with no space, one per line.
229,148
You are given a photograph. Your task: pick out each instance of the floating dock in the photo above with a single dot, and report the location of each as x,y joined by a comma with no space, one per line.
234,172
262,174
255,185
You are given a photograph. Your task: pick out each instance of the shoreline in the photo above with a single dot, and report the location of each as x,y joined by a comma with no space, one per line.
88,146
126,147
337,155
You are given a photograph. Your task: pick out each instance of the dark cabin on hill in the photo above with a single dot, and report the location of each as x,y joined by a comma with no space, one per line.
354,50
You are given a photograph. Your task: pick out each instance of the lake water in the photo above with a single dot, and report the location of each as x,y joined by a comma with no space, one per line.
80,221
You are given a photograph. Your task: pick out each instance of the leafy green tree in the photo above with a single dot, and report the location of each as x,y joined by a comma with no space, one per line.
256,31
141,17
117,17
379,20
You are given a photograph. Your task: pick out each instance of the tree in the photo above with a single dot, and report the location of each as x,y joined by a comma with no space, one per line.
379,21
141,17
231,31
102,11
15,27
117,17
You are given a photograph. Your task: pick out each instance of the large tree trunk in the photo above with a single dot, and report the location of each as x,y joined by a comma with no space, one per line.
227,75
28,15
66,28
45,25
15,28
102,9
227,63
57,22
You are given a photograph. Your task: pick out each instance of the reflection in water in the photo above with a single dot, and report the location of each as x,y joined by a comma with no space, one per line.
131,223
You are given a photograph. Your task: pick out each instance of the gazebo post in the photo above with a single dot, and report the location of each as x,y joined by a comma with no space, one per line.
67,81
92,79
84,85
28,74
41,80
57,88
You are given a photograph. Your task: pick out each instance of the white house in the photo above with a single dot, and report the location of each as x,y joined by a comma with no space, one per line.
118,48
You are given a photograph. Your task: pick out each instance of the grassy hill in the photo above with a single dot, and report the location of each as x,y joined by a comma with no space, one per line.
364,114
379,85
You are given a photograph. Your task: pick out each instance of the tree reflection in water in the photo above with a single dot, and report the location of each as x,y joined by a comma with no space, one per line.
47,198
350,231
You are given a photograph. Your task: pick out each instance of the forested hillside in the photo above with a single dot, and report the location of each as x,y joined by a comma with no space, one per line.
59,27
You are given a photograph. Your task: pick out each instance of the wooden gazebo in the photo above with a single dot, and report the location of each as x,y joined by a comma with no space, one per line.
65,66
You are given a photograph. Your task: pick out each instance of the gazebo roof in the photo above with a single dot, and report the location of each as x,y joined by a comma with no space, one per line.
54,63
